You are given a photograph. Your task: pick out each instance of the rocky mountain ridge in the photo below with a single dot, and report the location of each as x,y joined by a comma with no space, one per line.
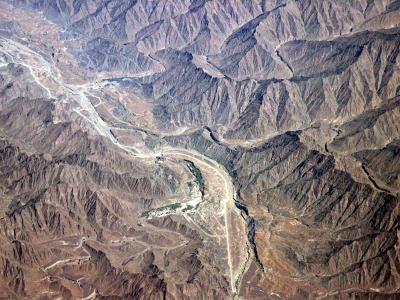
199,149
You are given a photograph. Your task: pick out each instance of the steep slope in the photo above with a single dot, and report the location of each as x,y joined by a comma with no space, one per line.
199,149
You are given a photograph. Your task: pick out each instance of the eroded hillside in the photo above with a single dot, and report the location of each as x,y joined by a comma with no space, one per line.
199,149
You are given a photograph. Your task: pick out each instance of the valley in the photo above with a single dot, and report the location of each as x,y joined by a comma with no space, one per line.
199,149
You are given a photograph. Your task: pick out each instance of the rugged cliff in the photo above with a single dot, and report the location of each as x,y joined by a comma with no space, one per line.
199,149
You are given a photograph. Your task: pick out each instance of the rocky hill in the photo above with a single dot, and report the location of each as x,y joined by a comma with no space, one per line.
199,149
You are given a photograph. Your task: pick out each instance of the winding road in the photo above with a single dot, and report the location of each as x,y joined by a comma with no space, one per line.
41,69
227,206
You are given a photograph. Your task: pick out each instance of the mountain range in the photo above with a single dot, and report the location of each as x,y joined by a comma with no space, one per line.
199,149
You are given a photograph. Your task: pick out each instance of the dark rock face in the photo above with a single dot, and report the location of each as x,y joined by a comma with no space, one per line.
243,46
199,149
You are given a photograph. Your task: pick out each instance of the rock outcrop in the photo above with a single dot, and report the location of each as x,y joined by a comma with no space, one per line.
199,149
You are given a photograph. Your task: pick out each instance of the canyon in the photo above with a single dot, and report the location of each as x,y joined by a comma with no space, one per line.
198,149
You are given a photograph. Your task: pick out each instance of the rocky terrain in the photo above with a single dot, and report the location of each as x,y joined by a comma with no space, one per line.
194,149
